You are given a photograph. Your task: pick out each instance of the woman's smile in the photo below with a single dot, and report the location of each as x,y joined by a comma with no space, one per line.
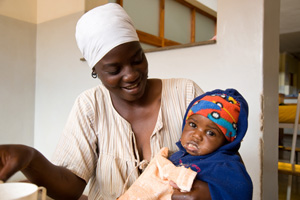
130,87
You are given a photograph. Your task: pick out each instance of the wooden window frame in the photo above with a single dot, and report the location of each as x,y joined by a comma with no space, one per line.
160,40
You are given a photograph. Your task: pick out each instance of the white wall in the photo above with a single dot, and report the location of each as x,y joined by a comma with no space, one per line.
23,10
39,11
17,80
54,9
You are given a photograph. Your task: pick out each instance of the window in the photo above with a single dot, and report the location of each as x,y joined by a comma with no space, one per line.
163,23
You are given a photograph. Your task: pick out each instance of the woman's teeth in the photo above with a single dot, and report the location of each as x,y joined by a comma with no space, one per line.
132,86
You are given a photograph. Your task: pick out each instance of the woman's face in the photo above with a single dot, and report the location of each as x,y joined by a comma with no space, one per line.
124,71
201,136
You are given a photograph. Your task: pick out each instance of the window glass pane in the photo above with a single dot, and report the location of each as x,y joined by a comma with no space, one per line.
147,46
177,22
205,28
145,14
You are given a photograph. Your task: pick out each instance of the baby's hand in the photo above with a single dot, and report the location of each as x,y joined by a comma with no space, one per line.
174,185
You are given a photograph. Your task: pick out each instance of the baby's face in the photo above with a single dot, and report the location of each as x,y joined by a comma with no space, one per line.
201,136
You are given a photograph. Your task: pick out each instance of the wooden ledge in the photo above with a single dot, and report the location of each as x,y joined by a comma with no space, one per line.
288,168
288,148
155,49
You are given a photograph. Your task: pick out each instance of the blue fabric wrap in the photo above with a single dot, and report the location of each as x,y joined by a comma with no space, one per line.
223,170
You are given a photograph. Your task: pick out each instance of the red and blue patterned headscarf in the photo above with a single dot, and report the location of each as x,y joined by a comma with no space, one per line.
221,108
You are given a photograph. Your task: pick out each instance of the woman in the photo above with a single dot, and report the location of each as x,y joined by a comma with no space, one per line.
113,127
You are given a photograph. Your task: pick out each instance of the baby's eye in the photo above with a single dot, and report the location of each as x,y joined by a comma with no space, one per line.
192,125
210,133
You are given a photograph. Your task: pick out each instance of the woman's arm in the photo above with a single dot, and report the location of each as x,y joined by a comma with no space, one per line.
199,191
60,182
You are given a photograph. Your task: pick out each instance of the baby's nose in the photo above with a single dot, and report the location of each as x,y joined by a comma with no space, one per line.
198,135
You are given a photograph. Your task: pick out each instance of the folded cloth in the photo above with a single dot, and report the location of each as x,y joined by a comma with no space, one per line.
154,181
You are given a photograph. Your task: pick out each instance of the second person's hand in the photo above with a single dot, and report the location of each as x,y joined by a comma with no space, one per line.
199,191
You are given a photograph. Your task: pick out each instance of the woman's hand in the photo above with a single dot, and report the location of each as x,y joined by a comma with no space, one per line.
14,158
199,191
60,182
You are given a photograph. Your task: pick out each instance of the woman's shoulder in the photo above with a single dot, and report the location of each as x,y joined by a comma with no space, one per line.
181,88
182,84
178,81
94,94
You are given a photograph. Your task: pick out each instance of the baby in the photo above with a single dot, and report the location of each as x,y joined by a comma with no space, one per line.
213,127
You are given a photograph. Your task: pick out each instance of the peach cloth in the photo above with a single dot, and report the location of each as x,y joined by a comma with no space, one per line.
154,181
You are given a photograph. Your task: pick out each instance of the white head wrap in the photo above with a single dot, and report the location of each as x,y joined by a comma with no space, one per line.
101,29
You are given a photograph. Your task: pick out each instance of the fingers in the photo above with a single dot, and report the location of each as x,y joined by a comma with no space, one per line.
10,161
200,191
7,168
173,184
6,173
177,195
